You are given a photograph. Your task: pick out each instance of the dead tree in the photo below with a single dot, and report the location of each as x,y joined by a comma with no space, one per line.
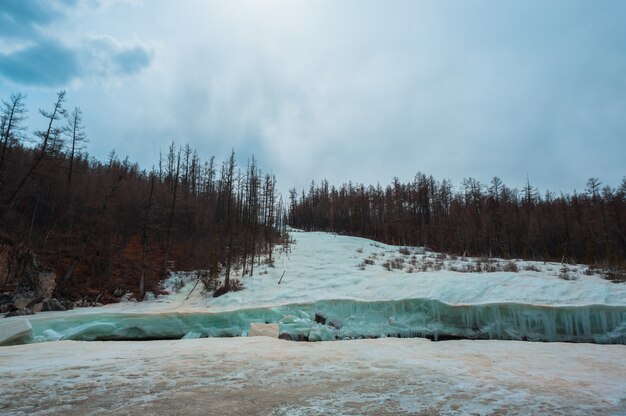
76,136
47,137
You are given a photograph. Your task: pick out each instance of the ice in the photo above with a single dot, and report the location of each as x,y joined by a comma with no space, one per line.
261,375
192,335
356,319
51,335
15,331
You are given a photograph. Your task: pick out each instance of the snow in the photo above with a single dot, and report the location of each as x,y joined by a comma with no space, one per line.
326,274
260,375
328,292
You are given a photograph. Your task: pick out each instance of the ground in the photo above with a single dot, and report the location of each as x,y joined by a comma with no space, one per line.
264,376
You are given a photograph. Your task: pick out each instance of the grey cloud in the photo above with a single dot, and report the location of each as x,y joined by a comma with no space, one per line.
20,18
46,63
52,64
104,56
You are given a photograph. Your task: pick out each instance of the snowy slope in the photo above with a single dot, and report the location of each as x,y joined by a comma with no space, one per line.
322,266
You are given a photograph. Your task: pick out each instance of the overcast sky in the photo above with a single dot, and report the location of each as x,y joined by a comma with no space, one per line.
343,90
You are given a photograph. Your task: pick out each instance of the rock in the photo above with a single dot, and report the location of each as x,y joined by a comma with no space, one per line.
15,331
52,305
67,304
335,324
320,319
6,307
19,312
285,336
37,307
263,330
21,269
118,293
22,302
46,281
5,298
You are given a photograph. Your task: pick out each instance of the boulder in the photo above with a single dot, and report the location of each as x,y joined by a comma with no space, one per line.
67,304
5,298
22,270
52,305
15,331
320,319
335,324
19,312
263,330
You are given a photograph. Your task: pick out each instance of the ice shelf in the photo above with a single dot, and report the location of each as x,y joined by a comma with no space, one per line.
345,319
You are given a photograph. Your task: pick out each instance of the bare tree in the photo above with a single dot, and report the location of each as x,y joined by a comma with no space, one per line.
144,238
174,176
12,116
230,173
47,136
76,135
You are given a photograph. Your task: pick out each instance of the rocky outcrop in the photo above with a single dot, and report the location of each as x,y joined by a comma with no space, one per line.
21,271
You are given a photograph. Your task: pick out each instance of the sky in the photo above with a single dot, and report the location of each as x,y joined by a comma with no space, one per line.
344,90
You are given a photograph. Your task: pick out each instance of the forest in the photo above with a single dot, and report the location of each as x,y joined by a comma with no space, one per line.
487,220
107,226
111,226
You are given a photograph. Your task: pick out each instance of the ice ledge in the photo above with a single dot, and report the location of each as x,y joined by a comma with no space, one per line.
15,331
348,319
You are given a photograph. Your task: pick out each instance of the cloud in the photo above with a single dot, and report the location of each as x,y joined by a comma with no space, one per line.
52,64
359,90
104,56
45,63
31,56
20,18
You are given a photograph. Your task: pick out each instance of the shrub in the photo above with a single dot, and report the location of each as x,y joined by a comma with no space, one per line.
510,266
235,286
397,263
564,274
404,251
